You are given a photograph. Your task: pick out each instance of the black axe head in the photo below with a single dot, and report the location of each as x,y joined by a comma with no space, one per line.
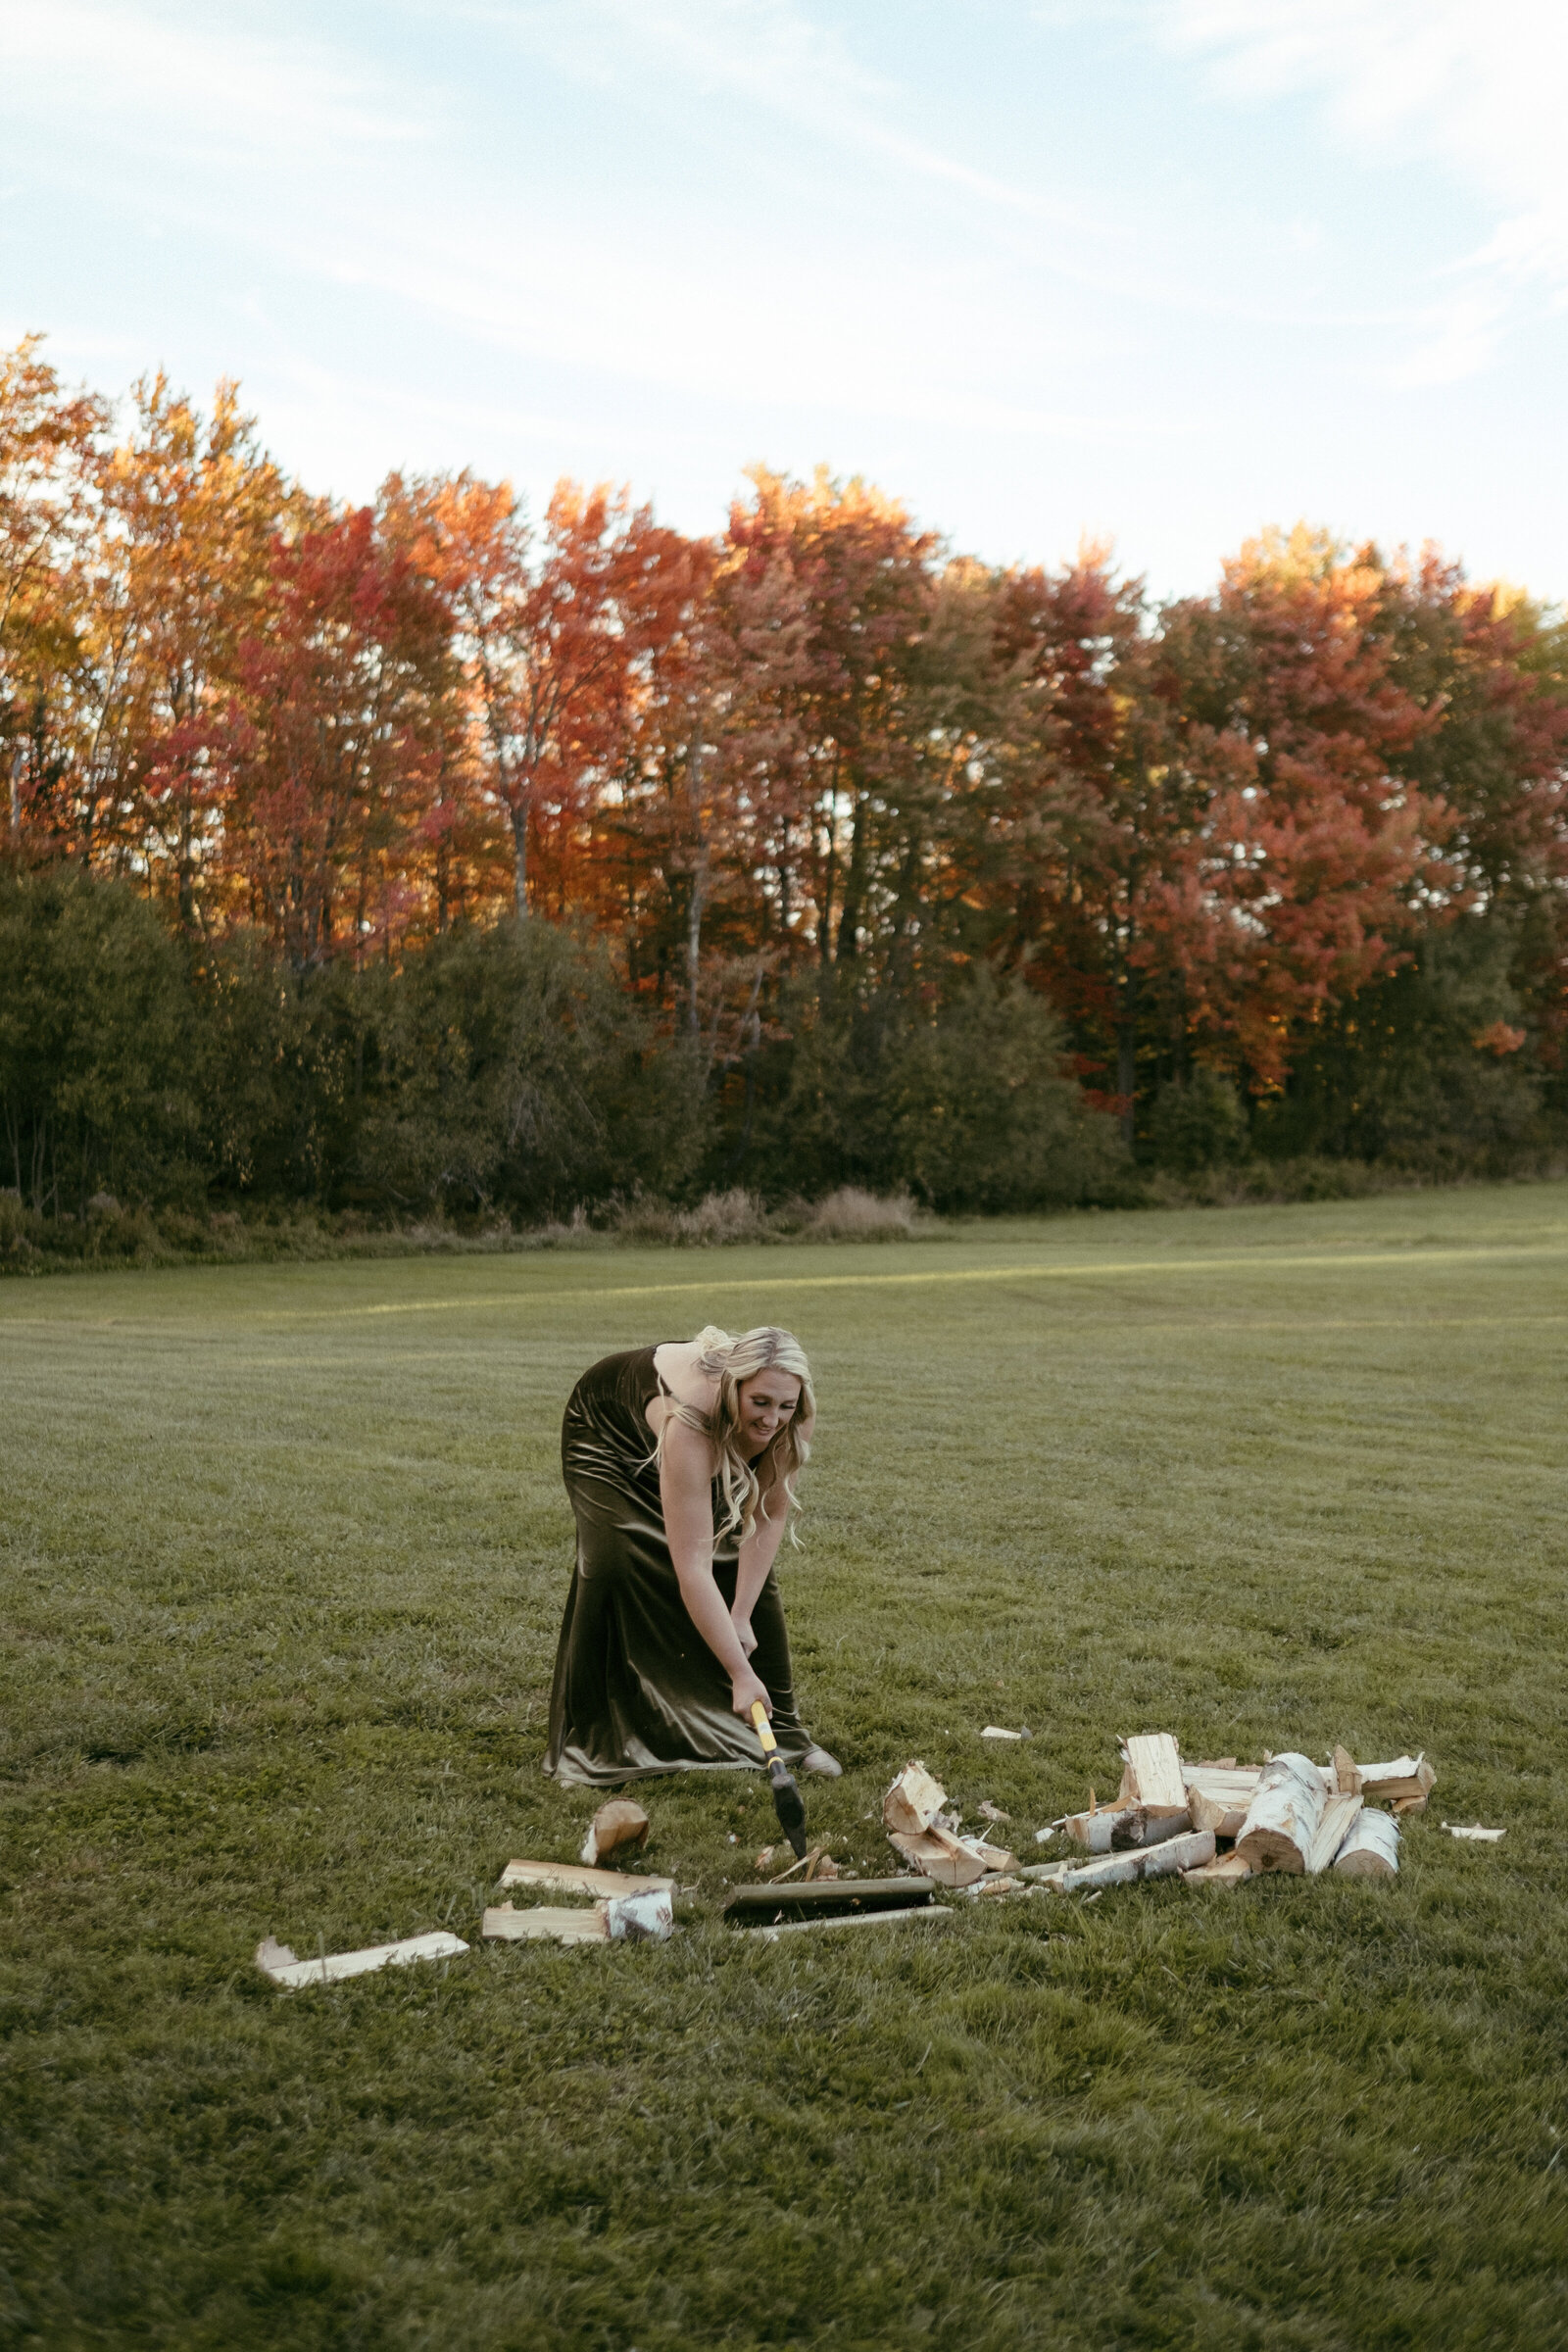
787,1804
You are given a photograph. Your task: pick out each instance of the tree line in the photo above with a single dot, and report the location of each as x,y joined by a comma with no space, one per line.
808,853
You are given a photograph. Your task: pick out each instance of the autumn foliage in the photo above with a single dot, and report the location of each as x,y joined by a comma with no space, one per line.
1253,849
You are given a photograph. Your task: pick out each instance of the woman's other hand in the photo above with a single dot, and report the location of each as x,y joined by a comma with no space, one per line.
744,1634
745,1688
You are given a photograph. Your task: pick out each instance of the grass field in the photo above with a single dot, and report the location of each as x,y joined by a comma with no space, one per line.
284,1551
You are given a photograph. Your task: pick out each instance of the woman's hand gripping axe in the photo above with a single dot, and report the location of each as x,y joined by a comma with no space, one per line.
786,1796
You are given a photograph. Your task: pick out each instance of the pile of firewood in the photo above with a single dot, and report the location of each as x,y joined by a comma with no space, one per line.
1217,1821
1211,1822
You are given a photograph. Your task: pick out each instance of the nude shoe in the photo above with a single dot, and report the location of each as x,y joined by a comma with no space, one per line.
817,1759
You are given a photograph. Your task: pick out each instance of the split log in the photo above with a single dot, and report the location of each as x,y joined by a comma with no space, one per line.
1154,1762
575,1877
1332,1830
914,1801
277,1961
619,1823
1186,1853
1346,1779
1226,1870
1282,1819
545,1924
1219,1795
1407,1780
1372,1849
951,1860
1115,1833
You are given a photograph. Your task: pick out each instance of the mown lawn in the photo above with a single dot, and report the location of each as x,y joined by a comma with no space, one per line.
284,1551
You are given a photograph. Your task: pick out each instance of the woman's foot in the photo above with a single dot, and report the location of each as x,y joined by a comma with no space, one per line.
817,1759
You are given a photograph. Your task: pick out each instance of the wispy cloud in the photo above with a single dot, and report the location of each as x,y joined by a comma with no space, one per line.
1480,89
199,81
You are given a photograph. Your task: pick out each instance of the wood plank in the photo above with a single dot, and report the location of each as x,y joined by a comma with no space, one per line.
576,1877
1283,1818
932,1914
1155,1764
1332,1830
277,1961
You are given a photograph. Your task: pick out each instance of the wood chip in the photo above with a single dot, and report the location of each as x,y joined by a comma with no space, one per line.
1484,1837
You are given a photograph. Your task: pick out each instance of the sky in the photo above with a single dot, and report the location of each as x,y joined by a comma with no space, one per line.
1158,272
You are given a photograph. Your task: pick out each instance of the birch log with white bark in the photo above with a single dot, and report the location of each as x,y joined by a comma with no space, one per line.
1371,1850
1114,1831
1282,1819
1190,1851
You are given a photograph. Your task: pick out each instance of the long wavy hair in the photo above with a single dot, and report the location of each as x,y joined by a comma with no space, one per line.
731,1362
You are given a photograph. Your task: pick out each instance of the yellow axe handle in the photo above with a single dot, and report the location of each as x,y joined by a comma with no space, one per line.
765,1730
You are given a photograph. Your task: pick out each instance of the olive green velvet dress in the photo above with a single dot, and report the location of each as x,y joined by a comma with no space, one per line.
637,1691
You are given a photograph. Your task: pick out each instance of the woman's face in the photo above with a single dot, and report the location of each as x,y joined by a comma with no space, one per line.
767,1401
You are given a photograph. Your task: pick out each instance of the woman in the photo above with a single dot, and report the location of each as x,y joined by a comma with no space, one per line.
680,1461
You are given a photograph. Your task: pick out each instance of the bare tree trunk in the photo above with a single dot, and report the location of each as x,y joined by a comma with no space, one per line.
697,894
519,856
1127,1054
853,885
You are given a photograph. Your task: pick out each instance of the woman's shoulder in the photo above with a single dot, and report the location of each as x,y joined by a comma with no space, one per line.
679,1380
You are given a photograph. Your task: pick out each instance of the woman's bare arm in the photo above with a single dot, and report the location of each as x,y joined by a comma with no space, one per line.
760,1548
685,1484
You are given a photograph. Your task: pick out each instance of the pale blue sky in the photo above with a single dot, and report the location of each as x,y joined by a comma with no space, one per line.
1157,271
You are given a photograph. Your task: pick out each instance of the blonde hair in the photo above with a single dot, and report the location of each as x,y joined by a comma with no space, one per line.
731,1362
